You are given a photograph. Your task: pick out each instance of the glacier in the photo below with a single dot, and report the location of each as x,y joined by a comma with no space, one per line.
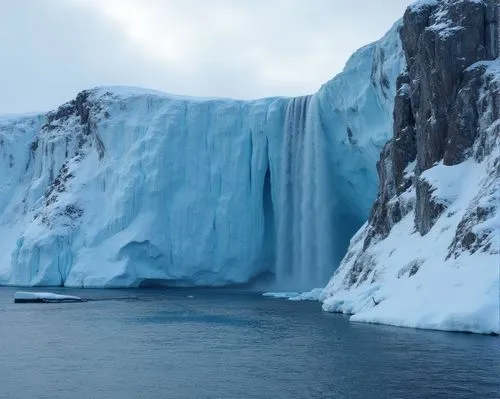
126,187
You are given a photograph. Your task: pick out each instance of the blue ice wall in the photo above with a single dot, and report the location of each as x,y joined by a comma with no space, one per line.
124,186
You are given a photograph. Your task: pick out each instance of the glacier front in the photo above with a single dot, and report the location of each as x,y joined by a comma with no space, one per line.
125,187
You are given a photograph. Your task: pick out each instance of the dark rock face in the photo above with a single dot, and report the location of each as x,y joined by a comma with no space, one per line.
396,155
440,42
404,142
79,107
436,117
426,209
463,127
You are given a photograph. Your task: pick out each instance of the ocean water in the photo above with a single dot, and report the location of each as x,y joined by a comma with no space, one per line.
216,343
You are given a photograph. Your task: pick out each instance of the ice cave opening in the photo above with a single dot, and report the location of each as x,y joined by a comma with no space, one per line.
269,236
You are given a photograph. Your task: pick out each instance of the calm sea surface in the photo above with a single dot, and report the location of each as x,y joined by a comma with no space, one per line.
209,343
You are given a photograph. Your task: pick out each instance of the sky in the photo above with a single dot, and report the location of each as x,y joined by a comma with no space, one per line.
52,49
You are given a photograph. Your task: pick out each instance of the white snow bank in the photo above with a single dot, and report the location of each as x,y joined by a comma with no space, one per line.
23,296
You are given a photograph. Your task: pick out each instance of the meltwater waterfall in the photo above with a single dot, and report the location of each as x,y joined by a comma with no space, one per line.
304,258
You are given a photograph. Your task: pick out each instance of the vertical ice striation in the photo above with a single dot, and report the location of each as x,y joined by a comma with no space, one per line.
126,187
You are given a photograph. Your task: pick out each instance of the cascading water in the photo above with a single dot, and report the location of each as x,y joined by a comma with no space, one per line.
304,256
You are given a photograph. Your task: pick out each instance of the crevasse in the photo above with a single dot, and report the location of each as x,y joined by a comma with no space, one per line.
128,187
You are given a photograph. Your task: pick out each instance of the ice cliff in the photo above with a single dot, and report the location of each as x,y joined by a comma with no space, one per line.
429,255
128,187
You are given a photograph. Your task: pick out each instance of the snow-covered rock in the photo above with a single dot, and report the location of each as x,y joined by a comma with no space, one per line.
429,255
123,186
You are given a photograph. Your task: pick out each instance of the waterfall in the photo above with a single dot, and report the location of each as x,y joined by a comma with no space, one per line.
304,232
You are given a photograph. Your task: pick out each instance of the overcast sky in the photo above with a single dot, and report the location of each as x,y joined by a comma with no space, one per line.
51,49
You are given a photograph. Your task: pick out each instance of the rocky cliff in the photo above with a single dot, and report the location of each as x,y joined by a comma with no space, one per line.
429,253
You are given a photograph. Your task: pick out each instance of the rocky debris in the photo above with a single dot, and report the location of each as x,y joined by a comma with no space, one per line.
58,185
360,271
476,231
466,238
53,211
73,211
411,268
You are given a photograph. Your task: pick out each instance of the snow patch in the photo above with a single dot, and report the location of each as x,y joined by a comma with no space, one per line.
443,178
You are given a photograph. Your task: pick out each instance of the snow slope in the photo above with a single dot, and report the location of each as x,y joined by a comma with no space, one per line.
414,280
125,186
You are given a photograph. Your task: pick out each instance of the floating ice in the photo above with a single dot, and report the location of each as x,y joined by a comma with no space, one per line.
25,297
